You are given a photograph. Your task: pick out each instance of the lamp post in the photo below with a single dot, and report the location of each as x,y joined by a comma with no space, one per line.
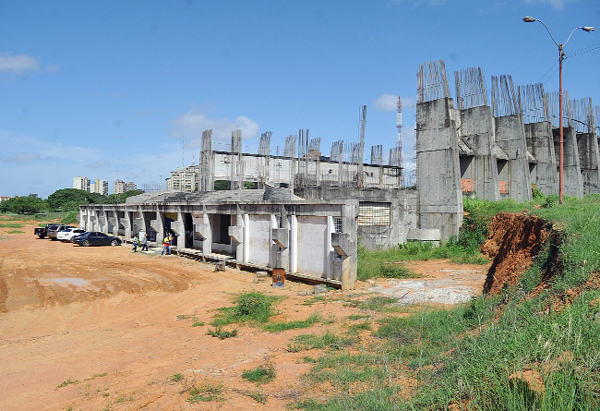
561,57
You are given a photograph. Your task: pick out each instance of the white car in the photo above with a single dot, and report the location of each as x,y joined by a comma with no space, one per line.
68,233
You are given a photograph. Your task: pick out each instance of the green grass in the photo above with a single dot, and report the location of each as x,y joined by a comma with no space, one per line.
10,225
326,341
68,382
261,374
251,307
198,324
222,334
177,377
15,232
291,325
467,354
205,393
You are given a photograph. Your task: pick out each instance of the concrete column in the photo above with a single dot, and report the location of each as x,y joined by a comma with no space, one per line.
127,225
477,130
510,137
572,179
330,250
246,243
589,158
207,223
294,244
158,226
438,168
540,144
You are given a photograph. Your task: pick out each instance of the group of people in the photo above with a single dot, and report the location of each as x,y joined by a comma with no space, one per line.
142,241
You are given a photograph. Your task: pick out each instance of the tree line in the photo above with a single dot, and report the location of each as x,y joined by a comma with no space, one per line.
65,199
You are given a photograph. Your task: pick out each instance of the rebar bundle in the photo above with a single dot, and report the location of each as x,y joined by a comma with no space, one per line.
581,115
337,148
264,147
553,109
394,159
532,103
504,99
432,81
376,154
290,146
470,88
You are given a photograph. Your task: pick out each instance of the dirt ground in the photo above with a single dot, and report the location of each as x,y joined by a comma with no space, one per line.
101,328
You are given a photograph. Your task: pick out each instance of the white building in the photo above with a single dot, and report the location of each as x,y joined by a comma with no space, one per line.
120,187
81,183
184,179
100,187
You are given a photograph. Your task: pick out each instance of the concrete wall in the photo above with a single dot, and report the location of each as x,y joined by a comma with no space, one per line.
540,144
299,236
402,203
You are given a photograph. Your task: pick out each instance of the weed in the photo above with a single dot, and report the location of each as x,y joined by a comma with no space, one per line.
93,377
284,326
11,225
258,397
206,393
261,374
176,377
123,398
67,382
315,300
250,307
185,317
15,232
222,334
356,317
198,324
307,360
356,328
327,340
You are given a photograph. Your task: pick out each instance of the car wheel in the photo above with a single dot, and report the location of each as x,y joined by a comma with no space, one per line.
42,235
86,243
114,243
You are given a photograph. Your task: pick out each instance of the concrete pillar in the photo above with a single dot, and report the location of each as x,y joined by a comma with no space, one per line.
127,225
510,137
438,168
294,244
158,226
540,144
477,130
589,157
572,179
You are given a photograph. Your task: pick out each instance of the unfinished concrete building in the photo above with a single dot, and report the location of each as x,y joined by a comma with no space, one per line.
498,149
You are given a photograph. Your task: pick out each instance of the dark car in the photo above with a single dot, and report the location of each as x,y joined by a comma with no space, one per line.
95,238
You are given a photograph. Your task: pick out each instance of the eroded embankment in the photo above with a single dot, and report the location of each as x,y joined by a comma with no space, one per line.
514,241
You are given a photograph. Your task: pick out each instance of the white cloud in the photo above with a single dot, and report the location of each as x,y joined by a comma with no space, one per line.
556,4
389,102
98,164
22,158
194,122
20,65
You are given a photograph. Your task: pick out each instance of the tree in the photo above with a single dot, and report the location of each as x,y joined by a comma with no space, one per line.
24,205
120,198
69,199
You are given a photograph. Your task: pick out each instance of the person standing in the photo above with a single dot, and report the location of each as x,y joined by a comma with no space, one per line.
135,242
144,242
166,245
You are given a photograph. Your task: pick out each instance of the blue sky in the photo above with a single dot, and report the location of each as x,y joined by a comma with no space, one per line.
108,89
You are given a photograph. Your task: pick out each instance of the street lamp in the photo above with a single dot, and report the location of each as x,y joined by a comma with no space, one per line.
561,57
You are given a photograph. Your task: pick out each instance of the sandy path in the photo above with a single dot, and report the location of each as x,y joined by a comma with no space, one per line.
107,320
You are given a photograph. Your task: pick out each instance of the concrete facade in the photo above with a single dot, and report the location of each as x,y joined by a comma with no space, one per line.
315,240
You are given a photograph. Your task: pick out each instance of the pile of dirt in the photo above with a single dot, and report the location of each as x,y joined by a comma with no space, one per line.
514,240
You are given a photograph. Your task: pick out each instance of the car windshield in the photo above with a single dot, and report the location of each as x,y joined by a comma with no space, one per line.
53,227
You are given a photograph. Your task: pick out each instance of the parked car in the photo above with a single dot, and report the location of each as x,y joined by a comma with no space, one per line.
68,233
95,238
41,232
53,230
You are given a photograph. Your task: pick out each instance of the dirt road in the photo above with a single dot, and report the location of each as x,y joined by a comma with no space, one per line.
102,328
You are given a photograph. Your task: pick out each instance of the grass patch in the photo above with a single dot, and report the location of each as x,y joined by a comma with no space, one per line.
325,341
291,325
249,307
68,382
205,393
258,397
15,232
222,334
315,300
198,324
261,374
10,225
176,377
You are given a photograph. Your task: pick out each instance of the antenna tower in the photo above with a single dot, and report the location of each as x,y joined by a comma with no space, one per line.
399,127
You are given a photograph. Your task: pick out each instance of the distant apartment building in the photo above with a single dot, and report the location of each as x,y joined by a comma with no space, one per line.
184,179
81,183
120,187
100,187
2,198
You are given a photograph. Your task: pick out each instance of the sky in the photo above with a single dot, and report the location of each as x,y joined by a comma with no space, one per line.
123,89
